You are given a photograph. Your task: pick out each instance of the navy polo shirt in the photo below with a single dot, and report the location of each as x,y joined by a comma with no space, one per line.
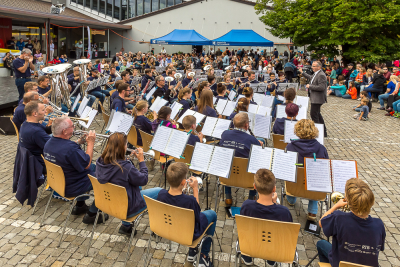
238,140
118,104
96,88
33,137
144,124
18,63
74,83
19,116
42,91
208,111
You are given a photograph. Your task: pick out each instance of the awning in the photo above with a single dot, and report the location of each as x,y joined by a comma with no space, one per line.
182,37
242,38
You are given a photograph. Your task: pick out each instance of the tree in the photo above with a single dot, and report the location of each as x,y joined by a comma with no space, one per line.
366,29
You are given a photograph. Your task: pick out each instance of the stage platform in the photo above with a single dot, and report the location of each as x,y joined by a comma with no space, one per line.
8,93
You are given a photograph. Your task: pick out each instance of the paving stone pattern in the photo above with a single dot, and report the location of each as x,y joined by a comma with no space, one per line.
23,242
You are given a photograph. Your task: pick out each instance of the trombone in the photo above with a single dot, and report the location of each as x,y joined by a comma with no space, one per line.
80,133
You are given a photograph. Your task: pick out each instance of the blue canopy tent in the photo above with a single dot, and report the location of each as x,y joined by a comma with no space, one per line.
242,38
182,37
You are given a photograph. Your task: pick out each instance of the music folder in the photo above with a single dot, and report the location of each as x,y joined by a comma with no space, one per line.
260,125
211,159
225,107
199,117
157,104
175,108
169,141
281,163
214,127
88,112
119,122
328,175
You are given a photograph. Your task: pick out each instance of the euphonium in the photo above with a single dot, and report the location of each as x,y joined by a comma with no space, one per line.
149,115
335,197
187,190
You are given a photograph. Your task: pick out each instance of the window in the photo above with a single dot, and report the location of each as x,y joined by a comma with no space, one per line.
87,3
103,6
80,2
124,13
117,6
154,6
94,4
139,7
132,9
109,7
170,2
162,4
73,1
147,6
178,2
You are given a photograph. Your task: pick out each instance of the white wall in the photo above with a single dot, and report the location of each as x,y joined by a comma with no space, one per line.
211,18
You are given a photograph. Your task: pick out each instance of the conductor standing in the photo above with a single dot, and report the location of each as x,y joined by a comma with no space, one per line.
317,92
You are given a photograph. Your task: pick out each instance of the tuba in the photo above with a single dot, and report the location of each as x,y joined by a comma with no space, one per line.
82,63
59,84
335,197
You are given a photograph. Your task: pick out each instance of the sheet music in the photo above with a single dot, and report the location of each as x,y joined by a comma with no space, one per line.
263,110
214,100
221,126
267,101
73,107
175,109
221,105
150,94
280,111
318,175
160,139
281,98
85,112
157,104
253,108
284,165
187,112
110,119
302,102
342,170
258,98
82,106
239,97
289,131
221,162
229,108
259,158
262,126
177,143
92,114
201,157
121,123
231,95
320,137
199,117
209,126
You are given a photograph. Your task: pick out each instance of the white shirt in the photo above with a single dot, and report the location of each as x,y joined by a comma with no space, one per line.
315,74
52,46
163,51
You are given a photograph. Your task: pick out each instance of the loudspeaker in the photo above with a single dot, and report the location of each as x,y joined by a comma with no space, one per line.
6,126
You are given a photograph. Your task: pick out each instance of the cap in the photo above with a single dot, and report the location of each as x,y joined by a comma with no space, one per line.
350,64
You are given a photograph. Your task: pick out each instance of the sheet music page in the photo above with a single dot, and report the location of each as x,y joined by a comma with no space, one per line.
263,110
262,126
302,102
221,162
253,108
110,119
239,97
289,131
221,126
342,170
155,103
115,121
177,143
125,123
281,98
280,111
201,157
85,113
320,137
209,126
258,98
73,107
267,101
82,106
221,105
92,114
175,109
229,108
284,165
187,112
160,139
150,94
269,111
172,105
260,158
214,100
318,175
199,117
231,95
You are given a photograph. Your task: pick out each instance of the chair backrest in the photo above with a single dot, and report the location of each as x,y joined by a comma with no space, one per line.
279,141
298,189
15,127
55,177
110,198
266,239
132,136
146,141
239,176
171,222
349,264
187,154
112,91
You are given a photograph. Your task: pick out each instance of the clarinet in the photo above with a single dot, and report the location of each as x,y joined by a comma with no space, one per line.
144,90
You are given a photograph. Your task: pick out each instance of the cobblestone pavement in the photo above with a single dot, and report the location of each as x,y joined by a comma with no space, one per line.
23,242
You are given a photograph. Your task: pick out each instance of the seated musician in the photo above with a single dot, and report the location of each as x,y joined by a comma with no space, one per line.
115,93
19,115
188,78
32,134
227,81
148,76
292,110
205,104
184,99
356,236
112,167
221,90
252,77
118,103
163,118
141,122
202,86
73,82
213,85
113,77
241,141
306,146
97,91
248,93
189,124
162,88
272,85
265,207
75,163
242,105
33,87
176,177
43,86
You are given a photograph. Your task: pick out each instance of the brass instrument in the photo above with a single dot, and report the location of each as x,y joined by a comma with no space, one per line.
204,139
149,115
42,97
335,197
80,133
59,84
148,156
58,114
187,190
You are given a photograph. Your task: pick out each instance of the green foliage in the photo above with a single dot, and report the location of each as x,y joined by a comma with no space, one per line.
368,29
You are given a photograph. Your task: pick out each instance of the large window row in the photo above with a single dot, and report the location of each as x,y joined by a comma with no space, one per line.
125,9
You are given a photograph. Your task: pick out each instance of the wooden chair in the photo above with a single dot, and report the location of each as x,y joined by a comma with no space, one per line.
239,178
175,224
56,180
15,127
106,117
342,264
278,141
132,137
298,189
266,239
113,200
146,141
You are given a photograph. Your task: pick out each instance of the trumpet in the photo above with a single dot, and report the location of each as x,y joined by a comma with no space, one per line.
148,156
42,97
204,139
187,190
335,197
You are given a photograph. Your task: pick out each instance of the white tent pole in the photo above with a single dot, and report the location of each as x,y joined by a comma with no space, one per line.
155,35
145,31
190,27
169,26
202,26
214,31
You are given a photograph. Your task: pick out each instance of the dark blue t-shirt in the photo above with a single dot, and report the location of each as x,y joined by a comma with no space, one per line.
144,124
354,239
74,83
42,91
238,140
208,111
214,89
19,116
186,202
185,82
33,137
185,106
220,97
274,212
18,63
73,160
193,139
118,104
114,95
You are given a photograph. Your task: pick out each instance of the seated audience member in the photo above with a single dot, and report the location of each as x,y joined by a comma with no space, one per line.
75,163
306,146
339,90
378,84
112,167
292,110
355,229
189,124
394,80
352,92
363,95
364,110
265,207
176,177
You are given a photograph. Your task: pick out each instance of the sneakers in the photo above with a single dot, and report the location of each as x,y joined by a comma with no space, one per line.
204,261
228,202
90,219
126,230
290,204
311,217
247,260
192,254
79,210
381,108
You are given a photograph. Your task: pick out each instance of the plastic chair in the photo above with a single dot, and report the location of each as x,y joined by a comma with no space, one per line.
239,178
15,127
132,137
113,200
56,180
342,264
266,239
175,224
278,141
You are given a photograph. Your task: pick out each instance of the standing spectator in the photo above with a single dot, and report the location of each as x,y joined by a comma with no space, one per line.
29,45
8,63
22,68
51,50
163,51
37,45
11,43
78,48
225,60
20,44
